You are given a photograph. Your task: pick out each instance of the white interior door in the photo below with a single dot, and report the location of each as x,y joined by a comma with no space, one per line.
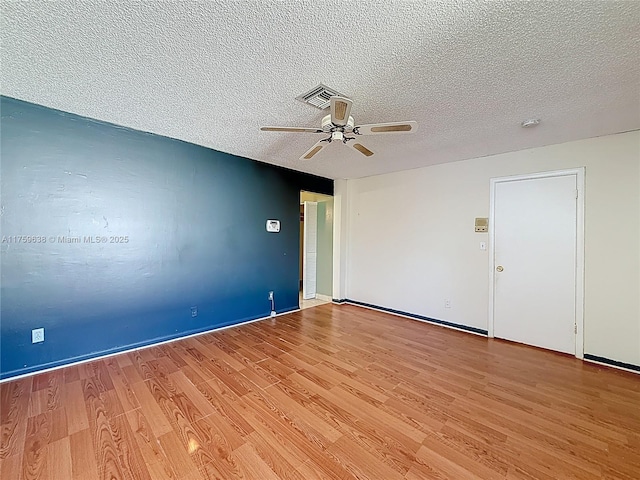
310,254
535,238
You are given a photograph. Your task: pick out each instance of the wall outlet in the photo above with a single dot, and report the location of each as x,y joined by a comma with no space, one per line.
37,335
447,303
271,295
194,312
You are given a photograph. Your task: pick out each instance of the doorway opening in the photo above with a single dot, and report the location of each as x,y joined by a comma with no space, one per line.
316,249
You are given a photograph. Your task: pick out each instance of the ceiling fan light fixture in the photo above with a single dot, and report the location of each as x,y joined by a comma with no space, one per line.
337,136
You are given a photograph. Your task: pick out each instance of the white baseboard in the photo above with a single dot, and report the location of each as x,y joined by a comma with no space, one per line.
141,347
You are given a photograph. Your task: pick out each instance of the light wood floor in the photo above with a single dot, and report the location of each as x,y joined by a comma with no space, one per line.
330,392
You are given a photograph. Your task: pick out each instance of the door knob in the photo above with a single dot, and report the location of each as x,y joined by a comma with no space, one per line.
499,268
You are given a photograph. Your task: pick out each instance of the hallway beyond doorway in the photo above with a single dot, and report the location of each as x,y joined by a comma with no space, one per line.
313,302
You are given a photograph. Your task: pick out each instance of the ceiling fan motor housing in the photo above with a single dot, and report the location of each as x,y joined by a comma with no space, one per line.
327,126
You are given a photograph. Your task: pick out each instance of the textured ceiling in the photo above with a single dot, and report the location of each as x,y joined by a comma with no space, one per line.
213,72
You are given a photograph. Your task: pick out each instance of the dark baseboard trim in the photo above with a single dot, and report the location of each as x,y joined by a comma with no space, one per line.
338,300
418,317
587,356
613,363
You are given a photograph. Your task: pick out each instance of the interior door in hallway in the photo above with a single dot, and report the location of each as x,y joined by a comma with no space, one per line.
535,247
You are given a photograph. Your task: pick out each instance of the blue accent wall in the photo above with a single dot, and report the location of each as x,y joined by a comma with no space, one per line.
184,227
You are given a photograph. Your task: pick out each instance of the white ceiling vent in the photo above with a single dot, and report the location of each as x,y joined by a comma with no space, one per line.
319,96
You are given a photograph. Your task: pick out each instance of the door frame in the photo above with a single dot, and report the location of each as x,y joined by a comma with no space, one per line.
579,274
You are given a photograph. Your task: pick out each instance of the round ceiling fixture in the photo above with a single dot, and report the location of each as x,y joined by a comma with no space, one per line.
531,122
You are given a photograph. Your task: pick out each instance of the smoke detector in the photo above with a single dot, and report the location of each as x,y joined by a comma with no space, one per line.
531,122
319,97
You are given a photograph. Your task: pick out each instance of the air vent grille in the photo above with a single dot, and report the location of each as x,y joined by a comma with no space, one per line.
319,97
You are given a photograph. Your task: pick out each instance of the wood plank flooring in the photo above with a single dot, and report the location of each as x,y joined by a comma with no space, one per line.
332,392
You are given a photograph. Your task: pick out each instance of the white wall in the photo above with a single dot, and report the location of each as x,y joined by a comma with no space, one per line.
340,227
411,241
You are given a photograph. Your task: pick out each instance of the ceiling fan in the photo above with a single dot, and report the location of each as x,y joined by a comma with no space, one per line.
341,128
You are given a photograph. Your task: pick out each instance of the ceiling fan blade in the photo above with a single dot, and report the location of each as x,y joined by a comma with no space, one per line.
391,127
340,110
360,148
314,150
291,129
